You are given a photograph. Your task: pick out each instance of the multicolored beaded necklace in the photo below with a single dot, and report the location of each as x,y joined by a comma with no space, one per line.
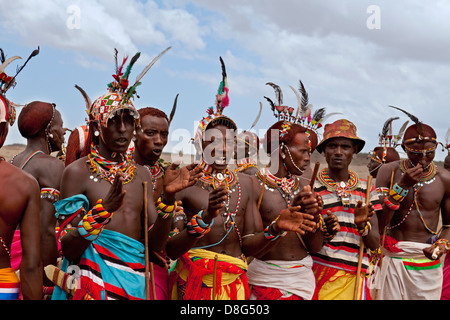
157,172
211,178
107,169
287,186
426,178
343,189
244,164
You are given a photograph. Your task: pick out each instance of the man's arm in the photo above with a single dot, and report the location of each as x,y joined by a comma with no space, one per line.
31,272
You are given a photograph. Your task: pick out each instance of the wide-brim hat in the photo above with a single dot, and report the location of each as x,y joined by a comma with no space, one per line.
341,128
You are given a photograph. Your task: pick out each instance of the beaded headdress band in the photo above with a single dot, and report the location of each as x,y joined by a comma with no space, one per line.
7,108
119,92
216,116
387,139
303,116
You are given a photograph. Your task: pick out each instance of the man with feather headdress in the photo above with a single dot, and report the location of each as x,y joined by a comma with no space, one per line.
283,271
224,226
103,202
385,151
417,194
19,210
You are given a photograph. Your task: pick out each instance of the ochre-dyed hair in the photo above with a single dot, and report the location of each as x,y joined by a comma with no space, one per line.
288,137
34,118
152,112
391,154
413,132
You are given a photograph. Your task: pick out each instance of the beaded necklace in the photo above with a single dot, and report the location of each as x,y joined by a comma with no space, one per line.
211,178
107,169
286,186
343,189
427,178
157,172
244,164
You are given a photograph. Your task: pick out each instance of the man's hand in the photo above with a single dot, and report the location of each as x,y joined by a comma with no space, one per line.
113,200
411,176
176,179
363,214
434,252
310,204
216,201
291,219
332,223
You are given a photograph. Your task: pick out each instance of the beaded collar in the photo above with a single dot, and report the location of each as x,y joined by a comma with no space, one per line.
427,177
343,189
157,172
288,187
210,177
244,164
107,169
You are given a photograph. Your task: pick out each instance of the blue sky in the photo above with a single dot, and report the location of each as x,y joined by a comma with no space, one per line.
351,59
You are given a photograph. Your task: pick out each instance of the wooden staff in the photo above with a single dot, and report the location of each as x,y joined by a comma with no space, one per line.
152,279
216,258
147,288
262,191
361,243
314,175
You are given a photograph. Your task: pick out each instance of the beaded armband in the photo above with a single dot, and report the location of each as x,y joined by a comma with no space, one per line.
269,232
50,194
390,205
398,193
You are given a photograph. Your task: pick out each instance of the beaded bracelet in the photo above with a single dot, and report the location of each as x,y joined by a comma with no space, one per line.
398,193
269,233
202,223
328,236
164,207
365,231
390,205
444,242
85,233
195,229
99,213
319,224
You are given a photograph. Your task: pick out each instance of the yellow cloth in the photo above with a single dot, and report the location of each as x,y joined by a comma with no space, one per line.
207,279
8,275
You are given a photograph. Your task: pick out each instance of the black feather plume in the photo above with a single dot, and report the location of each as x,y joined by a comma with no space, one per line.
305,98
278,92
174,108
318,114
413,118
272,105
387,126
2,56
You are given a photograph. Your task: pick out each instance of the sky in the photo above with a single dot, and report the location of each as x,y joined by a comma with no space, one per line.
354,57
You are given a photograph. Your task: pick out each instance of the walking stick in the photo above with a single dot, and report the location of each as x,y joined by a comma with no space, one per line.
314,175
147,289
361,244
215,277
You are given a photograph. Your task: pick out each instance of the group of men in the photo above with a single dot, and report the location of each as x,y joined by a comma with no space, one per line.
115,221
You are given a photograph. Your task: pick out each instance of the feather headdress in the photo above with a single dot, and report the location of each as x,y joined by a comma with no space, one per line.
7,108
222,101
303,116
119,92
447,141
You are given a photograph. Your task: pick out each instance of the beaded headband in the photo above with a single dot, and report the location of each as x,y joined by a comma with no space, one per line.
7,108
119,92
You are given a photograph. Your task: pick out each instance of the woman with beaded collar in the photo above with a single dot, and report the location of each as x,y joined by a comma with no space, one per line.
411,208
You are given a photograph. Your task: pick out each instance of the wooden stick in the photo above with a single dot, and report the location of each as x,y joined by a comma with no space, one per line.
361,243
152,279
215,278
262,191
147,288
314,175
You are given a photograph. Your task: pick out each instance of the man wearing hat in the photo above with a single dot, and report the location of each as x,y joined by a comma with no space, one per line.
343,192
412,205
